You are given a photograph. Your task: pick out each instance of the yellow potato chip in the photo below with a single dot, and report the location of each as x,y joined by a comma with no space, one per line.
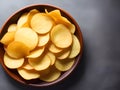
64,54
75,49
27,36
40,63
52,57
12,63
27,66
12,27
53,75
23,21
64,65
54,49
61,36
41,23
43,39
7,38
28,74
36,53
17,49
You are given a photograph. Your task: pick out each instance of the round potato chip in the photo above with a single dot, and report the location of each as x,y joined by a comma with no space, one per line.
17,49
7,38
52,57
27,36
43,39
12,27
23,21
36,53
64,65
12,63
40,63
75,47
41,23
28,74
53,75
27,66
64,54
54,49
61,36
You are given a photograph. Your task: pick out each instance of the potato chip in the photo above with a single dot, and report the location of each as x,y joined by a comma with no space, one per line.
7,38
61,36
23,21
17,49
54,49
28,74
12,27
64,65
12,63
53,75
64,54
43,39
27,66
52,57
41,23
36,53
75,50
40,63
27,36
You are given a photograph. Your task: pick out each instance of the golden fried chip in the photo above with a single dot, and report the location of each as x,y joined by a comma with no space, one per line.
41,23
40,63
12,27
12,63
53,75
54,49
27,66
17,49
28,74
7,38
23,21
36,53
52,57
27,36
61,36
43,39
75,47
64,65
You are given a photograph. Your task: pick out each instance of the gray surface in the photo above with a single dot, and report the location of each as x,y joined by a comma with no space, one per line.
100,24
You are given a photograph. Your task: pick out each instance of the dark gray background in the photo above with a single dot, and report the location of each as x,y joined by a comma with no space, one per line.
100,24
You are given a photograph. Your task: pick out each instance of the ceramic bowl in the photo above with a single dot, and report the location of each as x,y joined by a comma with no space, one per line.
13,19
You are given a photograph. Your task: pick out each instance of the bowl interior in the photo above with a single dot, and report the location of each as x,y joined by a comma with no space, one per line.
13,19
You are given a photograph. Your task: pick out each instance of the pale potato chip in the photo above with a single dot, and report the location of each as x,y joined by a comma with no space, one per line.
52,57
12,63
64,54
36,52
61,36
53,75
54,49
27,66
41,23
17,49
43,39
12,27
27,36
64,65
28,74
40,63
7,38
23,21
75,47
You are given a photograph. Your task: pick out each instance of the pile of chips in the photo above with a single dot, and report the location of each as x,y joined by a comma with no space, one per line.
41,45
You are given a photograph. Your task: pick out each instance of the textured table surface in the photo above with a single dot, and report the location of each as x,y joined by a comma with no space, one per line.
100,24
